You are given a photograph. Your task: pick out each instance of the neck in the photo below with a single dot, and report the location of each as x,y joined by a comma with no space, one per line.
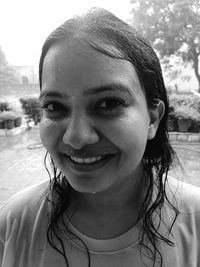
96,214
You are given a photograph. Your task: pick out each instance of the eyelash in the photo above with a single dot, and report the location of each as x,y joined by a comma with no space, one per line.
118,104
58,109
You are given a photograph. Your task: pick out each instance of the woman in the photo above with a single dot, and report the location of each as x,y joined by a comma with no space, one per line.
109,201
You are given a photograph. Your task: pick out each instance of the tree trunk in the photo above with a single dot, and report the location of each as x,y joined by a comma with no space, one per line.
196,67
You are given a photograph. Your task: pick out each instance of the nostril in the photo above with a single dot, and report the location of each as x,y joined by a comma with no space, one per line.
79,138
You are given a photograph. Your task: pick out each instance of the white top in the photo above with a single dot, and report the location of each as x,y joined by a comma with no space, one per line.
23,242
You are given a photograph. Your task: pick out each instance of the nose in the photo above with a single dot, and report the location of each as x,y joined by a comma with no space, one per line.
80,132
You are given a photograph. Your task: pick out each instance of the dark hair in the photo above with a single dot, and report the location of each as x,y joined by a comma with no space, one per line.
109,31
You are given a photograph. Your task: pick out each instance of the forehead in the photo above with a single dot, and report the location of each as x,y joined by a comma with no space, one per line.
77,64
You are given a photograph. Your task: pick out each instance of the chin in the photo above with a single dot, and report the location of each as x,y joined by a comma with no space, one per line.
88,184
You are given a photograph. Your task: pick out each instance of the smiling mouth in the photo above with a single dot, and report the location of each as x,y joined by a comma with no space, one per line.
88,164
87,160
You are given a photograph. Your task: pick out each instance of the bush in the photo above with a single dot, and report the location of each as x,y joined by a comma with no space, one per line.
4,106
11,103
191,100
185,107
8,115
186,112
10,119
32,110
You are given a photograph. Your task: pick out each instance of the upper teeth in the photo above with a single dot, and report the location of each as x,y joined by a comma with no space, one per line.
86,160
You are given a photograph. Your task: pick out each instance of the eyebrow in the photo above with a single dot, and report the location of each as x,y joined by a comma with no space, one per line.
113,87
44,94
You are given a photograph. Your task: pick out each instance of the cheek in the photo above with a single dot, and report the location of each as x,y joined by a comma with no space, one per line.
128,133
49,133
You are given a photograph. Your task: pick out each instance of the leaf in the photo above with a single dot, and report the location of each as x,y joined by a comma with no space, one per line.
172,26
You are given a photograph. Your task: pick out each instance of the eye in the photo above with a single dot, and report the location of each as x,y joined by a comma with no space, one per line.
111,104
54,109
110,107
50,107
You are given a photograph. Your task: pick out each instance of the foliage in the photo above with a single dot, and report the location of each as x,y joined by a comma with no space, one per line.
186,100
31,107
10,119
172,26
10,103
9,115
7,73
185,107
10,112
186,112
4,106
179,75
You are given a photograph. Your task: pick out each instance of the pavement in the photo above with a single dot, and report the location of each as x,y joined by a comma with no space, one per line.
22,155
21,162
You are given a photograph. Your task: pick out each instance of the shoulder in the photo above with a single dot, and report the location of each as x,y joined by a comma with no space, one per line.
23,207
186,196
29,197
185,232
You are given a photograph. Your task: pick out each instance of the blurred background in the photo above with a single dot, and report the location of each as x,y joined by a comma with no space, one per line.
171,26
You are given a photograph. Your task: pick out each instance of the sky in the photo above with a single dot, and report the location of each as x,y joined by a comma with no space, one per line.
25,24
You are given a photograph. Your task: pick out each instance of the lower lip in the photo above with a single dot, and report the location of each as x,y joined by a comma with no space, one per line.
90,166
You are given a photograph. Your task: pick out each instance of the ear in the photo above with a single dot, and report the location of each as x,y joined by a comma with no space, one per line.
155,115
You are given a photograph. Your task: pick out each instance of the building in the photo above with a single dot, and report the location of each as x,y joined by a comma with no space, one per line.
26,74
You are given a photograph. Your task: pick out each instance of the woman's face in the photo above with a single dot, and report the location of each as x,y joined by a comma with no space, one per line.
96,122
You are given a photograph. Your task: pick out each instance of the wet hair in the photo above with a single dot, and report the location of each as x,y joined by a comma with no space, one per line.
103,31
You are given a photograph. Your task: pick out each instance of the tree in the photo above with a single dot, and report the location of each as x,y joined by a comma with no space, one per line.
172,26
7,73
